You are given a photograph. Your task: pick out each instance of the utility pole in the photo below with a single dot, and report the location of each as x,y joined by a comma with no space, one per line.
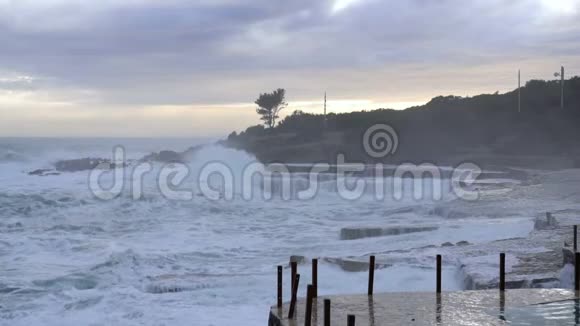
562,85
324,111
561,75
519,92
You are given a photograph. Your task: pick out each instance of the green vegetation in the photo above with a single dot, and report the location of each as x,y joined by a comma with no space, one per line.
270,105
448,128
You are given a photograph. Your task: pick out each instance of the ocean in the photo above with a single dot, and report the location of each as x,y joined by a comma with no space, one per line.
68,257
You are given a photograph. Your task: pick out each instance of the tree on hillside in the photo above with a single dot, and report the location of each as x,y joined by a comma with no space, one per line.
269,105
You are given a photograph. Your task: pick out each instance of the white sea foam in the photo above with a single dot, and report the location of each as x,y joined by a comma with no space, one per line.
67,258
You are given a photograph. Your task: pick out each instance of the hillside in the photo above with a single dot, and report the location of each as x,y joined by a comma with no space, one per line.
487,129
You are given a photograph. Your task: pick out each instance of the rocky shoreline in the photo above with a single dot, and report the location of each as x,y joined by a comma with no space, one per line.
542,259
90,163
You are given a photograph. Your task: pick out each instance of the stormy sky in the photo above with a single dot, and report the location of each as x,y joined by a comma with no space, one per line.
187,68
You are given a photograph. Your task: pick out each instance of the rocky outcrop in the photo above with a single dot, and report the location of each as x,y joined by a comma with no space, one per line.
549,222
298,259
172,156
532,262
164,157
354,233
568,255
348,265
43,172
85,164
90,163
447,212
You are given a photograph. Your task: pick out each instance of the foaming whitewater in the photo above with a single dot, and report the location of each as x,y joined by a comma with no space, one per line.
69,258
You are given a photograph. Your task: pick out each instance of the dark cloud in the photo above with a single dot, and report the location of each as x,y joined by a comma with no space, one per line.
172,52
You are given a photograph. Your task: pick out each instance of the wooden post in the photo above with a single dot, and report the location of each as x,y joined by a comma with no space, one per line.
575,238
293,273
371,275
294,297
308,310
438,273
350,321
279,287
502,272
326,312
577,271
314,278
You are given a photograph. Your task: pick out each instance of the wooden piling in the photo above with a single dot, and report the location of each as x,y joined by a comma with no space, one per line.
314,277
293,273
438,289
279,301
326,312
308,309
502,272
350,320
294,297
577,271
371,275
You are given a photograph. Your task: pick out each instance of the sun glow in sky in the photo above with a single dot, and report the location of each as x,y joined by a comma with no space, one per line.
340,5
192,68
562,7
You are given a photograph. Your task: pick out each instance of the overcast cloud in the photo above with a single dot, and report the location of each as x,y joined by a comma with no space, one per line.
103,57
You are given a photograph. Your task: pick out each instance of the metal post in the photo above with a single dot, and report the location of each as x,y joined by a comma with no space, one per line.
350,321
371,275
326,312
279,287
293,273
438,273
575,238
308,310
315,278
577,271
502,272
294,297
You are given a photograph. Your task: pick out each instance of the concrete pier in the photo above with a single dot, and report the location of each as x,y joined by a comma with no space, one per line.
486,307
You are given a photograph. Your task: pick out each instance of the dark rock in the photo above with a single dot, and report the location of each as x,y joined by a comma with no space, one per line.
359,233
568,255
164,157
447,244
85,164
43,172
172,156
549,222
39,172
446,212
353,265
191,151
298,259
462,243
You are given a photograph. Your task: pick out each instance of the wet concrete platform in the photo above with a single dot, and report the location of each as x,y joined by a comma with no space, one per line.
488,307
